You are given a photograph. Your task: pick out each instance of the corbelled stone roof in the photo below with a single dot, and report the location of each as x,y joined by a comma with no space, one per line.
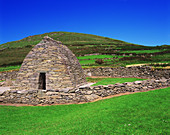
56,61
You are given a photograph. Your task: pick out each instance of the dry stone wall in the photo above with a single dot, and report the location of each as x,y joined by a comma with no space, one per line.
158,78
8,75
138,71
82,94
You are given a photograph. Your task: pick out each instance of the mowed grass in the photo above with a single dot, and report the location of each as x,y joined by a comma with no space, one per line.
139,113
106,81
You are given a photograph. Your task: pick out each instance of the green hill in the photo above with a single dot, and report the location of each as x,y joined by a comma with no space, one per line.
67,38
13,53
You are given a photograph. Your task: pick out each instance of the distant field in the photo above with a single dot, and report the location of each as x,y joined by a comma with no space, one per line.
95,57
118,61
89,61
106,81
13,53
9,68
99,57
163,57
145,113
142,51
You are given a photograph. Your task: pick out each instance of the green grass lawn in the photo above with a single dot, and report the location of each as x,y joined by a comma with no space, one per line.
106,81
140,113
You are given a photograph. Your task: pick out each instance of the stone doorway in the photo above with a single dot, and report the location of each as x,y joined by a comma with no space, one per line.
42,81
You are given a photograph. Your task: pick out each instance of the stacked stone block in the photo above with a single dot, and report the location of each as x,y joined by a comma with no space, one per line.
56,61
78,95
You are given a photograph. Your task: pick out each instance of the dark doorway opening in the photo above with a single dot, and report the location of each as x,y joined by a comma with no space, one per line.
42,81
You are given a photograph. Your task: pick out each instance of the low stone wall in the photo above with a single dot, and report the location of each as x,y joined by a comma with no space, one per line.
138,71
8,75
82,94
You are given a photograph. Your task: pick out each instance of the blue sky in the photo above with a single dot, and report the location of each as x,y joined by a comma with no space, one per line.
145,22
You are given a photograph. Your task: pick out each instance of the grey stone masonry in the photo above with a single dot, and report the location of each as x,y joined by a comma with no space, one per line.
136,71
12,74
81,94
50,66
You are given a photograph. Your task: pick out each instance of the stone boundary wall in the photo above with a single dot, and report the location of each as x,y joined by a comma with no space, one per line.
12,74
136,71
82,94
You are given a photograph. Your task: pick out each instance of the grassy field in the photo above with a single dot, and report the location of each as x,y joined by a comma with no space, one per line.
10,68
89,61
144,113
95,57
142,51
116,60
106,81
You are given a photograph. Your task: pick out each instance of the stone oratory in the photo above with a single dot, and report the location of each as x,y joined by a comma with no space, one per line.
50,66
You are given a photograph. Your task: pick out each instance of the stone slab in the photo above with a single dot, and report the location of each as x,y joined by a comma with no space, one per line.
2,89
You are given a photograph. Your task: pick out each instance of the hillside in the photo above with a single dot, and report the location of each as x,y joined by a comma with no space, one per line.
67,38
13,53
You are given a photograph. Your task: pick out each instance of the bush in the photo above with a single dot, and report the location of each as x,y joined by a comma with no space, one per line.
99,61
28,46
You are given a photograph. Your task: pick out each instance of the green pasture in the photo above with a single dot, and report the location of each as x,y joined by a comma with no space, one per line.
106,81
99,57
144,113
109,60
89,61
95,57
142,51
10,68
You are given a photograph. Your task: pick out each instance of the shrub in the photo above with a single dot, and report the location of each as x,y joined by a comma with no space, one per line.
29,46
99,61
